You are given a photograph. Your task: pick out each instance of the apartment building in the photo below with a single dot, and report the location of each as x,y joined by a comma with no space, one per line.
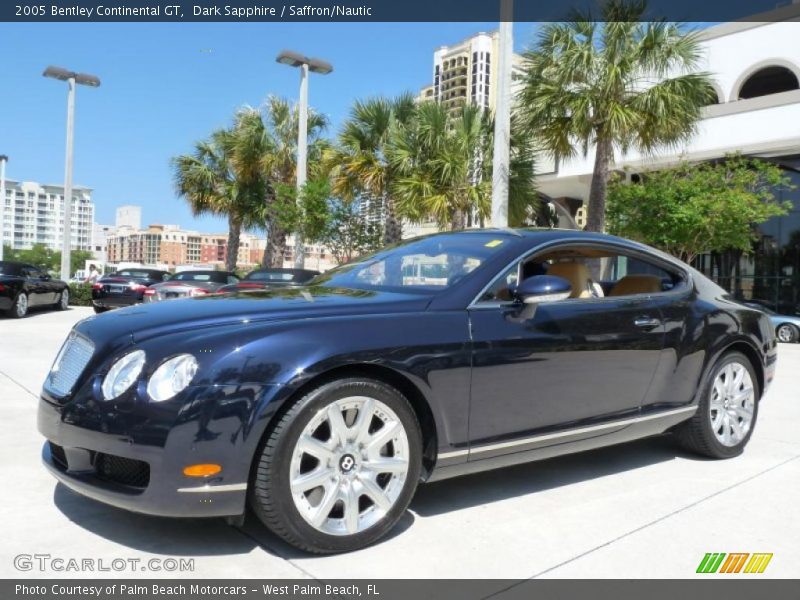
33,214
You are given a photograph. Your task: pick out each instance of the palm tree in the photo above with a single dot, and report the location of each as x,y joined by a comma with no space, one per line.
205,179
359,165
443,163
263,151
612,82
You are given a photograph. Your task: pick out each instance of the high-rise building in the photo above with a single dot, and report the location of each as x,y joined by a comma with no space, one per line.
129,215
34,215
467,72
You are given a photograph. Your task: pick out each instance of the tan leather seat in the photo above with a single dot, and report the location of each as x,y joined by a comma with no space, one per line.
578,276
636,284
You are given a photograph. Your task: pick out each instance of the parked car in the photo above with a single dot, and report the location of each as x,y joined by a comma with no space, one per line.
188,284
323,407
787,327
23,286
124,287
269,278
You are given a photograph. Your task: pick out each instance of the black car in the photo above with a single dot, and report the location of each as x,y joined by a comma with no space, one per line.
23,286
322,407
269,278
124,287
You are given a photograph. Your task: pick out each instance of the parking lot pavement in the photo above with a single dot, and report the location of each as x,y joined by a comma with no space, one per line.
643,509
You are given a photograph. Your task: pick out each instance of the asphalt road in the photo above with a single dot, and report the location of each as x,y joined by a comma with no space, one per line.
644,509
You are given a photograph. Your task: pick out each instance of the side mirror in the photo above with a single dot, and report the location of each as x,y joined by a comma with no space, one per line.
45,277
543,288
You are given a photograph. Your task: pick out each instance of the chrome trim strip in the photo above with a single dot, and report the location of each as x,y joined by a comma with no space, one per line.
567,433
230,487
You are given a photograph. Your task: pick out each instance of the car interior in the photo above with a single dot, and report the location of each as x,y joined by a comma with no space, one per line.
591,273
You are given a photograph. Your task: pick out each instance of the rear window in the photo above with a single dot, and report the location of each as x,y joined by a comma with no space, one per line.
213,276
135,274
270,276
9,269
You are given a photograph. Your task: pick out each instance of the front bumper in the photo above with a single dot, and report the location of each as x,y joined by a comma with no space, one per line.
135,461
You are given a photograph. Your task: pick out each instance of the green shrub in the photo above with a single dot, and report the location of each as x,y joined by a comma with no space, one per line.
80,294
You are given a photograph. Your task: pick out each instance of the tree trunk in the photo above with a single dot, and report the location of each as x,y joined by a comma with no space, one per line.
392,227
232,252
276,247
596,218
459,220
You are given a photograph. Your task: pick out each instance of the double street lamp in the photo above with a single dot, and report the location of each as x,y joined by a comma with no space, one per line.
72,78
306,64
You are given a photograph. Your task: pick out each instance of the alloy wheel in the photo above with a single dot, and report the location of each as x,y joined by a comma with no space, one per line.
349,465
22,305
732,404
64,300
785,333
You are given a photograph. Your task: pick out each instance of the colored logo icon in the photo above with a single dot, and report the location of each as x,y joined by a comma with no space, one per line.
736,562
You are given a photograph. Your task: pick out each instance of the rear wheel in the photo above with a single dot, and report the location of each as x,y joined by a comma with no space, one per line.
63,300
727,410
339,468
20,307
787,333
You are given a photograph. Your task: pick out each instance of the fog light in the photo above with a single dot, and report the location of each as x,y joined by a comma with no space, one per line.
206,470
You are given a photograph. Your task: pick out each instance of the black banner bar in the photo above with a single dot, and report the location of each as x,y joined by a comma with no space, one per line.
277,11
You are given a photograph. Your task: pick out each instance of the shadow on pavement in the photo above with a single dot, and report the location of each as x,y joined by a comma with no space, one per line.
204,537
520,480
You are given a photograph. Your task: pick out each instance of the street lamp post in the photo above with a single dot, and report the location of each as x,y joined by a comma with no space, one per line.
3,161
72,78
306,64
502,118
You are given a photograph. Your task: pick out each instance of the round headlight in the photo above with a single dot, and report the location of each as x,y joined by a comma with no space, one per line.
173,376
122,374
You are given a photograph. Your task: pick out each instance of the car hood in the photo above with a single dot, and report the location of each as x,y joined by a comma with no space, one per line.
246,307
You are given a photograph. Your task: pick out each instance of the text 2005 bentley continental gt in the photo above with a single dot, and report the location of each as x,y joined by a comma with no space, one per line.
323,406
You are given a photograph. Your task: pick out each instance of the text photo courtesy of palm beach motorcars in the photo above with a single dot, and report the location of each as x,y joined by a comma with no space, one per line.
291,300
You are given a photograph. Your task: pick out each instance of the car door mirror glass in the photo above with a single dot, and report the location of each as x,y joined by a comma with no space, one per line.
543,288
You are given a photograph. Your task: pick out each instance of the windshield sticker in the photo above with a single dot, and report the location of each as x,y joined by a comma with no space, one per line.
493,243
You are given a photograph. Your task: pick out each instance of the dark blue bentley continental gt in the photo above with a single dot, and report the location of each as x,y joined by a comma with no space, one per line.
323,406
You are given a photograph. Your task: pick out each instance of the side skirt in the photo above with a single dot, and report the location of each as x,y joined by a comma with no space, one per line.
560,444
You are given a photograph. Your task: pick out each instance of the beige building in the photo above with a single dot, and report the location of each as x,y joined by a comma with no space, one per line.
466,72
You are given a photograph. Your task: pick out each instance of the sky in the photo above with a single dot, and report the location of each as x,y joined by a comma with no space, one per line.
165,86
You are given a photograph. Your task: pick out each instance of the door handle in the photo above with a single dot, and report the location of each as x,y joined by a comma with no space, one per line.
647,322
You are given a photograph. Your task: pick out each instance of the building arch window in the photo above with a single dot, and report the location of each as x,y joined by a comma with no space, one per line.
766,78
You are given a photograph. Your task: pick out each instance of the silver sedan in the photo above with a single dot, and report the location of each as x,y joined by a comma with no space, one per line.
188,284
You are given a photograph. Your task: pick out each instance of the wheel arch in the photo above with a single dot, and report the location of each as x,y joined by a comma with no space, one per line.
752,355
419,404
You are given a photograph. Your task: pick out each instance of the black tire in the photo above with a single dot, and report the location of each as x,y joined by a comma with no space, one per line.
696,434
270,494
19,310
787,333
99,309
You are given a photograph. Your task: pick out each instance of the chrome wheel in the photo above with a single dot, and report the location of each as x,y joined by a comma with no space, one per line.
349,465
785,333
64,300
732,404
22,305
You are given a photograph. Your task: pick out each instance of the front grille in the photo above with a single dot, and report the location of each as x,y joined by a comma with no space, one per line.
58,455
73,357
125,471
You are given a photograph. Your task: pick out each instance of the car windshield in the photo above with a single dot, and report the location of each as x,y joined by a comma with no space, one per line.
430,264
216,277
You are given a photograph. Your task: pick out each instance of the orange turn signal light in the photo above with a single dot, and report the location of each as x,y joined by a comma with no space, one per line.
205,470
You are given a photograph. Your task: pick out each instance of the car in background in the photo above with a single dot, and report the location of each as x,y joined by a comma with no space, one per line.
268,278
124,287
23,286
188,284
787,327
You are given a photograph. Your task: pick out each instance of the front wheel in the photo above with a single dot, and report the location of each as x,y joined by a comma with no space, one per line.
787,333
339,468
63,300
727,410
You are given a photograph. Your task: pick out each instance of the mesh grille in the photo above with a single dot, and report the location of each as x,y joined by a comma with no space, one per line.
70,362
58,454
125,471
